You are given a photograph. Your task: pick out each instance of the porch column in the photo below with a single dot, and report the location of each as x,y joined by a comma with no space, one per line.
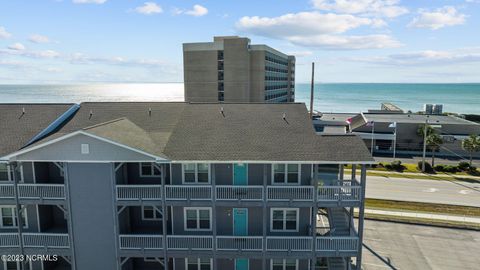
341,172
265,216
361,215
313,260
18,211
354,171
164,217
214,216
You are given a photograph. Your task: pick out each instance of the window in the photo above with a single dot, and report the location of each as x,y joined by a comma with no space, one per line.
284,219
283,264
150,213
8,217
198,218
16,265
196,173
286,173
198,263
149,170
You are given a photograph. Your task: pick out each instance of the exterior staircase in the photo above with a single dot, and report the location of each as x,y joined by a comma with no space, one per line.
339,226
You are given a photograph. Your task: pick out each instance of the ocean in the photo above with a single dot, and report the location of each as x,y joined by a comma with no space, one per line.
329,97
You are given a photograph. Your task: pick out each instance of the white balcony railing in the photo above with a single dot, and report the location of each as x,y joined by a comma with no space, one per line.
337,243
290,193
139,192
347,192
183,192
9,240
225,243
243,243
7,191
33,191
188,242
151,242
338,193
243,193
46,240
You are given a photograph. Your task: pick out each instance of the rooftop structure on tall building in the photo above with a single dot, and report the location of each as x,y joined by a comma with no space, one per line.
231,69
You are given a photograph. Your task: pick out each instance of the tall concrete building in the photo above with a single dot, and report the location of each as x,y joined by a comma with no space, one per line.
177,186
231,69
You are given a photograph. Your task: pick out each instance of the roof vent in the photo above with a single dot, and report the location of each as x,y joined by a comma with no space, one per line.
284,116
23,110
91,114
149,111
222,112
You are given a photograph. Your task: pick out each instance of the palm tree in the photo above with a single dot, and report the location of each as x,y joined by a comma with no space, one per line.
471,145
433,141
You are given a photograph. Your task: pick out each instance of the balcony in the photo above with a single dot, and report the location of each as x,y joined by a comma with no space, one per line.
246,245
141,242
346,193
53,243
33,193
139,192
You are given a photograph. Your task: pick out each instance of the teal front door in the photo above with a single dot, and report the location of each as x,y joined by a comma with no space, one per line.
240,221
241,264
240,174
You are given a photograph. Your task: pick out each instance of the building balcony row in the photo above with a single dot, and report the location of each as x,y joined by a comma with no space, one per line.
33,243
33,193
228,195
243,246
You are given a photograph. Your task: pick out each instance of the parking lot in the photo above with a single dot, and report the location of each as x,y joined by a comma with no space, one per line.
389,245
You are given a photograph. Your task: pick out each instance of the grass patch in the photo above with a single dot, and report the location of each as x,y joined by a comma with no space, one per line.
424,221
431,208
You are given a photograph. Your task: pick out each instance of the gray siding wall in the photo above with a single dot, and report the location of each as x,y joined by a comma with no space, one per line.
92,214
255,228
69,149
237,70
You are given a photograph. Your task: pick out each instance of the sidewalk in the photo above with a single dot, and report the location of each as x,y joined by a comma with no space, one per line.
439,217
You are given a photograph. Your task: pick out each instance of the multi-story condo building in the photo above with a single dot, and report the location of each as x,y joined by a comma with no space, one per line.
194,186
231,69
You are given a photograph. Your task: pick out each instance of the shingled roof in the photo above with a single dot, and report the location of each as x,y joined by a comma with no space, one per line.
215,131
19,123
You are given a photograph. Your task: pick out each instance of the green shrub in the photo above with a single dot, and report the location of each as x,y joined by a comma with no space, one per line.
397,165
428,167
464,166
439,168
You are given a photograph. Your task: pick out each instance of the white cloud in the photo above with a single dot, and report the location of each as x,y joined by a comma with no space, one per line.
439,18
98,2
301,53
17,47
3,33
80,58
380,8
302,24
31,54
339,42
197,11
426,57
315,29
149,8
36,38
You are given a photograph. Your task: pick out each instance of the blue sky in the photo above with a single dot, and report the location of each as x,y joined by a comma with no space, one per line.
83,41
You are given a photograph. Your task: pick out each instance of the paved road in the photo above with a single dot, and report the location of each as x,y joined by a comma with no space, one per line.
400,246
431,191
416,159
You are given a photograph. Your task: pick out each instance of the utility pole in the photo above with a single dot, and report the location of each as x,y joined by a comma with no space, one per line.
311,90
424,144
